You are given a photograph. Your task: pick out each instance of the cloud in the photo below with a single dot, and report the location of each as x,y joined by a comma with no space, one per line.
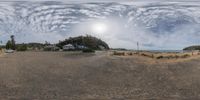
71,1
154,25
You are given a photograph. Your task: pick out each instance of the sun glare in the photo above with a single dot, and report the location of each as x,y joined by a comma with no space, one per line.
99,28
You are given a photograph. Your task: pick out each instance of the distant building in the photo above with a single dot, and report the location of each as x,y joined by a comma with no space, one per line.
81,47
68,47
102,47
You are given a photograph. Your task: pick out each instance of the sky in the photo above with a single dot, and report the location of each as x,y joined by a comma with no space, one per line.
110,0
155,24
99,0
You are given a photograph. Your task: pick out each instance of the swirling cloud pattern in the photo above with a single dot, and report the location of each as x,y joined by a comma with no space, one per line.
171,25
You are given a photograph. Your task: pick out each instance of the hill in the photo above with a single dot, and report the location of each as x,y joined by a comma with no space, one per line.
88,41
197,47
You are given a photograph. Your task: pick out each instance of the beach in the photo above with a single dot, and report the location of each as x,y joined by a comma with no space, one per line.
99,76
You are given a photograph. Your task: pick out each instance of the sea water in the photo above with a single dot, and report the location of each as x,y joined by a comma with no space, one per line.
170,51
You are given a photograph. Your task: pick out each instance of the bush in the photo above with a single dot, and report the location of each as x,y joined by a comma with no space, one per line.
159,57
119,53
51,48
1,50
176,56
147,55
130,53
22,47
88,50
47,49
87,41
8,45
185,56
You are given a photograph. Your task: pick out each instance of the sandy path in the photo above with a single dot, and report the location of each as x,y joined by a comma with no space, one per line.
68,76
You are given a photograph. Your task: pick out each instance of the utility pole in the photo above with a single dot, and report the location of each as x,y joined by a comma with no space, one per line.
82,41
1,43
138,47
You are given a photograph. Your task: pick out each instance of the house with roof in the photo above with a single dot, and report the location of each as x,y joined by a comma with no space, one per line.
68,47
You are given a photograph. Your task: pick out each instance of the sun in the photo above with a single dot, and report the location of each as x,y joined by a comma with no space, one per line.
99,28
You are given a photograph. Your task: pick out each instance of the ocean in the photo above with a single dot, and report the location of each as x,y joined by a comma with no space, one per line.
170,51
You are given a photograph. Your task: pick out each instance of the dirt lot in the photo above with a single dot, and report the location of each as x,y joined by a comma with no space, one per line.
75,76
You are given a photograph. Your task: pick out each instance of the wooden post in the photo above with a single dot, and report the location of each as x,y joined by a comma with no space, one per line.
192,53
138,47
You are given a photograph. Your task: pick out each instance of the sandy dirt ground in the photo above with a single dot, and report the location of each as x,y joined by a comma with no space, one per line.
76,76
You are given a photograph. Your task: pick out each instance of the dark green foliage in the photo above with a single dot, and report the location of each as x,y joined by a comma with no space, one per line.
22,47
51,48
35,46
2,46
8,45
47,43
122,49
88,41
47,49
192,48
30,46
88,50
13,46
11,43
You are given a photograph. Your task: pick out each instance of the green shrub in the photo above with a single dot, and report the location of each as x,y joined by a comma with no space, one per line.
47,49
8,45
88,50
51,48
22,47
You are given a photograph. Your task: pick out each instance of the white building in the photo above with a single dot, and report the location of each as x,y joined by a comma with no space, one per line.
68,47
81,47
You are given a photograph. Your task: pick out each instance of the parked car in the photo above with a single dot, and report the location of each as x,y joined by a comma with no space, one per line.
9,51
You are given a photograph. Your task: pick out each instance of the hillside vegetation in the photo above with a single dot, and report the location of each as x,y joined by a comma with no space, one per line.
88,41
197,47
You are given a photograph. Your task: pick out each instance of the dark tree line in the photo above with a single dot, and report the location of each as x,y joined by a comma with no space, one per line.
192,48
88,41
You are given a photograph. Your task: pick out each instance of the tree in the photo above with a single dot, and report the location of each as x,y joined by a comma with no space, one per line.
46,43
8,45
13,46
87,41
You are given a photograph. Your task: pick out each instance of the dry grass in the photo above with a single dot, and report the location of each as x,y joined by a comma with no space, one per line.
159,57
